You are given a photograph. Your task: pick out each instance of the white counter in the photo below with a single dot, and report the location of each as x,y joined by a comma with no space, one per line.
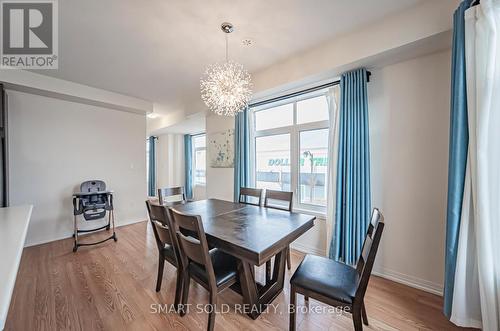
13,227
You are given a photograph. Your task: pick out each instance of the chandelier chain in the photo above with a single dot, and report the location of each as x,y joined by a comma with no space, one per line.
227,51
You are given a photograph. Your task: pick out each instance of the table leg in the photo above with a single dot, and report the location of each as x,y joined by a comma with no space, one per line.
255,297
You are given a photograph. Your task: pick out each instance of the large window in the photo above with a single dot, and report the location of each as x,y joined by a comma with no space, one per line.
313,167
290,148
272,162
199,159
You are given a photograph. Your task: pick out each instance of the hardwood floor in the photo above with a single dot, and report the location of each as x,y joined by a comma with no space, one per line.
112,287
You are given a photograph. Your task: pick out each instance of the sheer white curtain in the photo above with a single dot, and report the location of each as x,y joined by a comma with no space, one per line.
333,143
478,259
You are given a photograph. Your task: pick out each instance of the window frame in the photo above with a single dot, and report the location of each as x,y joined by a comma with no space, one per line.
193,157
294,131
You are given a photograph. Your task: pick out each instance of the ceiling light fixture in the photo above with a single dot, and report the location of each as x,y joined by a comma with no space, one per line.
226,87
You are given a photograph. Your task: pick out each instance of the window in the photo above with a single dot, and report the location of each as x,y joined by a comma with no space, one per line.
275,117
313,167
312,110
290,148
272,162
199,159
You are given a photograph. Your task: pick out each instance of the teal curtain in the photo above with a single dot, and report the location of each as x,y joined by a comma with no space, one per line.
188,157
457,161
353,205
152,167
241,152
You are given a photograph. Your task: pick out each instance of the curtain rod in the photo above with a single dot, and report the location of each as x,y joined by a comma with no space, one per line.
298,93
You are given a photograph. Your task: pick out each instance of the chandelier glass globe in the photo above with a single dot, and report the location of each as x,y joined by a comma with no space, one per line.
226,87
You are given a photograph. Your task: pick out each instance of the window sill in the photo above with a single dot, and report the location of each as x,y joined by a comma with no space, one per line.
319,215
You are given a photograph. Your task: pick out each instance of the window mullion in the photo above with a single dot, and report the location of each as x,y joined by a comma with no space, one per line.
273,132
294,155
253,167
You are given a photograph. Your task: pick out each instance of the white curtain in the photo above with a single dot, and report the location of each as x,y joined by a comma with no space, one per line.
170,160
333,143
477,280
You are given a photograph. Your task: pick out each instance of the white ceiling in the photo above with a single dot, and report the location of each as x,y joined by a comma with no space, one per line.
193,124
158,49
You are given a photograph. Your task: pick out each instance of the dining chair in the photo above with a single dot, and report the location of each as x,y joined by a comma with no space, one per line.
162,230
212,269
278,200
171,192
246,192
338,284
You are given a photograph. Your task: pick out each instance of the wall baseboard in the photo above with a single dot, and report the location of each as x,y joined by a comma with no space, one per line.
415,282
69,235
308,249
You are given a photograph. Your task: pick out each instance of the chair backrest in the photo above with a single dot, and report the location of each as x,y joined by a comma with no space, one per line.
95,205
158,215
376,216
164,193
246,192
192,249
275,196
369,251
92,186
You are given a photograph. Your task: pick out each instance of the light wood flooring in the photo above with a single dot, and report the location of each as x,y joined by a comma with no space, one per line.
112,287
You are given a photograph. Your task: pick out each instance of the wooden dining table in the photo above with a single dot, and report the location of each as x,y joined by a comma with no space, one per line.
254,235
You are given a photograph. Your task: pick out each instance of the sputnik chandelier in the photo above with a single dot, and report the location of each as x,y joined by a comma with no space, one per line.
226,87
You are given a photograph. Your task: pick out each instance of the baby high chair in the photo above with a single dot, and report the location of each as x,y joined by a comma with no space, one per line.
93,201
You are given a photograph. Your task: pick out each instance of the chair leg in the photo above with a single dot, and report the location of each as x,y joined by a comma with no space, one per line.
161,264
186,280
178,290
288,259
268,272
293,307
75,234
356,318
363,314
211,316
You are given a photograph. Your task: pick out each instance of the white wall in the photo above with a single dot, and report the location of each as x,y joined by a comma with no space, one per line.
409,123
220,181
170,160
54,145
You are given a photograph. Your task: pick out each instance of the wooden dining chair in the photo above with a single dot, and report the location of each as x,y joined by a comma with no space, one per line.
278,200
284,201
169,192
212,269
159,218
336,283
246,192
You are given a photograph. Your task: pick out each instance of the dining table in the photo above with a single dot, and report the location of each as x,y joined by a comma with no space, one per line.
254,235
